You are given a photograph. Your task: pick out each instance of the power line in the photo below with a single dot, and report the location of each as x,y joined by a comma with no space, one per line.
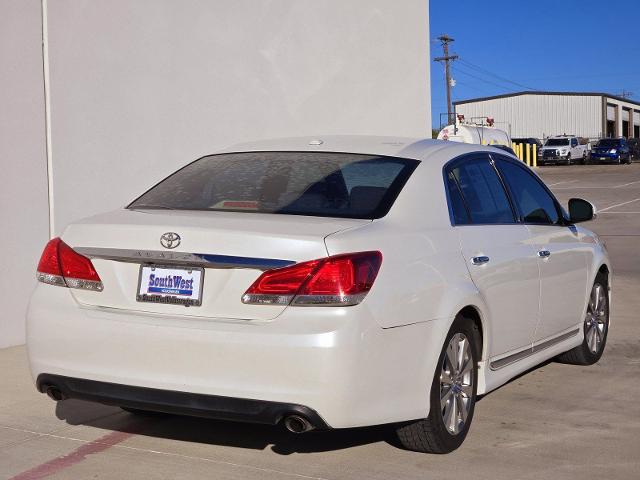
554,77
457,69
474,87
487,72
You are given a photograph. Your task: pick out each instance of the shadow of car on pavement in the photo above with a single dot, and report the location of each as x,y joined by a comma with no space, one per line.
216,432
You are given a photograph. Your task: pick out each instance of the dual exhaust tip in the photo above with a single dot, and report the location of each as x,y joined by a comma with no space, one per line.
293,423
297,424
54,393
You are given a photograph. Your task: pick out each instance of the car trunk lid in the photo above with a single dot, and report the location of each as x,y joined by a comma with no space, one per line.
233,249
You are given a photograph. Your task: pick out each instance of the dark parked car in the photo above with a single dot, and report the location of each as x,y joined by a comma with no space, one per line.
612,150
506,149
634,148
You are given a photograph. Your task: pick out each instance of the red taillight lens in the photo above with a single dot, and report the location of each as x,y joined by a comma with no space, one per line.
49,270
75,265
49,261
278,287
283,281
61,265
338,280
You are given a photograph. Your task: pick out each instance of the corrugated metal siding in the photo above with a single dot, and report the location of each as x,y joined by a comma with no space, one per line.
541,115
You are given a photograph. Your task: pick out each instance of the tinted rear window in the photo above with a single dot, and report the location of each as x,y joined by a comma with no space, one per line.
294,183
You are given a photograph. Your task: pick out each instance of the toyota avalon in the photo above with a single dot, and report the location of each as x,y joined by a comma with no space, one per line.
323,283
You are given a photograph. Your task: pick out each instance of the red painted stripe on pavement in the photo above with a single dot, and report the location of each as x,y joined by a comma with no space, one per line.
77,456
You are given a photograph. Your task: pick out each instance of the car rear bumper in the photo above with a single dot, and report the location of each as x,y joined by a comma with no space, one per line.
553,159
335,361
604,157
182,403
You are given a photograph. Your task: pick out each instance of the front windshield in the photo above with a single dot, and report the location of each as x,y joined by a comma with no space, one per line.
557,142
608,143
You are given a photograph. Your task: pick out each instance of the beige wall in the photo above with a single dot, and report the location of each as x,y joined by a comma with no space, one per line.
23,191
140,87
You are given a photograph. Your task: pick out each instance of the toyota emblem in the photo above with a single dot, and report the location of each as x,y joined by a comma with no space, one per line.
170,240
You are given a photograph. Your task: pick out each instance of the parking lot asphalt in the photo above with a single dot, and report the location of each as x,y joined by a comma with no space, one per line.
557,421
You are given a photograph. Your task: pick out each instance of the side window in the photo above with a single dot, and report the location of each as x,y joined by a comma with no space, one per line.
458,208
574,142
482,192
531,198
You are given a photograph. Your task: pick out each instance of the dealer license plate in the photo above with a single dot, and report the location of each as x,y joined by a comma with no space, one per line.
171,285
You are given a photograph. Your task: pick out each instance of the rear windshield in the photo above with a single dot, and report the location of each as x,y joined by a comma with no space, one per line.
294,183
557,142
609,142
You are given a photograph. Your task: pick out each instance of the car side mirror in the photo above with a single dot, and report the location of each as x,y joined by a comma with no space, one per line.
581,210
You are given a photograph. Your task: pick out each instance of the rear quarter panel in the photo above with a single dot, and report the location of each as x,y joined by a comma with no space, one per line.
423,275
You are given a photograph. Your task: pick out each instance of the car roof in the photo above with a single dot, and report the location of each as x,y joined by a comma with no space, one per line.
438,151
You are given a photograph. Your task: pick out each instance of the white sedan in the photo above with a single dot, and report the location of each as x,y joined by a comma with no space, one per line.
323,283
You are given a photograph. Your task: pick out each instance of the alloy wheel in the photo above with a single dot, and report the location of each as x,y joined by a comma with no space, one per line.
596,320
456,383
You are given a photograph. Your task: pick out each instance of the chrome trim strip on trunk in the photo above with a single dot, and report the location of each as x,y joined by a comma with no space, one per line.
503,362
182,258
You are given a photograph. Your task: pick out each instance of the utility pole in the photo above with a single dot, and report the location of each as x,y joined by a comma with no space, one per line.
445,41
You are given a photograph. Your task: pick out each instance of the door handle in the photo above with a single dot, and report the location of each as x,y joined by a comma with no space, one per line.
481,260
544,253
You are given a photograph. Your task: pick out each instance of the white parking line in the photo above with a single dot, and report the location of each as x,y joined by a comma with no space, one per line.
627,184
170,454
564,181
585,187
619,205
618,212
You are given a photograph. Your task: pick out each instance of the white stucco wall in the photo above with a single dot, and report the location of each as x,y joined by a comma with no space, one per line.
139,88
23,188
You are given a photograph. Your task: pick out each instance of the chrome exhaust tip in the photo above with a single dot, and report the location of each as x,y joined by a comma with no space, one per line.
297,424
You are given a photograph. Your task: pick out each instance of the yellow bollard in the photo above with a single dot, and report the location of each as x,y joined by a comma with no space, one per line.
534,147
528,154
519,151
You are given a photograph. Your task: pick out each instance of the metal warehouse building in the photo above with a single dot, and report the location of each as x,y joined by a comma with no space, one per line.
542,114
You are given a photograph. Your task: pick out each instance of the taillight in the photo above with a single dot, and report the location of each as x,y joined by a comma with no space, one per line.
62,266
341,280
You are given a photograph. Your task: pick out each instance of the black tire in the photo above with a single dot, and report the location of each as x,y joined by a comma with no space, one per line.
582,354
568,160
584,159
430,435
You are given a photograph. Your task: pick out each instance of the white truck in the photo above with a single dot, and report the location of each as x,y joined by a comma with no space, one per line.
564,149
478,134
